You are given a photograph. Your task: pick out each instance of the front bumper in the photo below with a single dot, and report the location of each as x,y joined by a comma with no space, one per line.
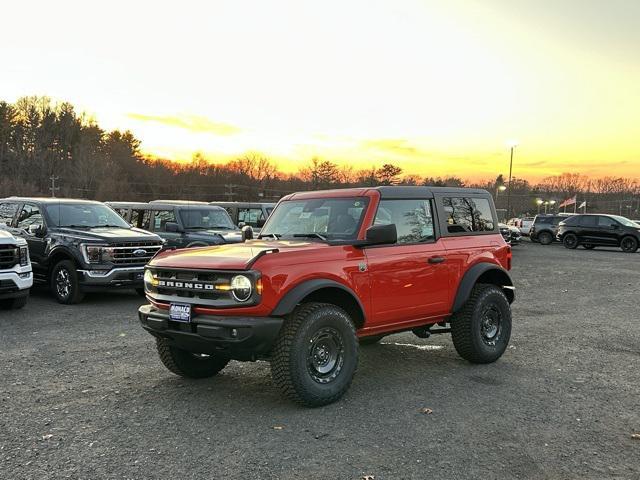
119,277
15,283
238,338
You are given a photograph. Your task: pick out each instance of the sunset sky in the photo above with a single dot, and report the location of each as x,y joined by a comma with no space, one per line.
436,87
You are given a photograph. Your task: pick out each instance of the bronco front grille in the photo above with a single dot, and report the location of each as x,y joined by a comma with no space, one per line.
9,256
132,253
199,287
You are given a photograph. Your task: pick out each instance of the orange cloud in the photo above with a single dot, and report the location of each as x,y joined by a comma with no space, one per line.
192,123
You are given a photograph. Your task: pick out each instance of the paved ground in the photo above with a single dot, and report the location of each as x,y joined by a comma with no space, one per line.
82,395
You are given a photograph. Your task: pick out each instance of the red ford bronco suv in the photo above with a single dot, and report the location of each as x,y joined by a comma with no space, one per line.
329,271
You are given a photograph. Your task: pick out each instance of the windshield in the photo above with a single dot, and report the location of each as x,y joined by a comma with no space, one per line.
206,218
330,218
84,215
625,221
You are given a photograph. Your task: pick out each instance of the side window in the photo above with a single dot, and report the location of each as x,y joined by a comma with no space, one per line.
121,211
607,222
588,221
466,215
141,219
7,211
29,215
572,221
162,217
413,219
251,216
231,214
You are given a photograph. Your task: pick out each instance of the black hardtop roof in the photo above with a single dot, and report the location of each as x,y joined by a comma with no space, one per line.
52,200
410,191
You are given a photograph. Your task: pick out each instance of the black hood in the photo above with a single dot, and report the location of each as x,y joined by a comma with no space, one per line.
108,234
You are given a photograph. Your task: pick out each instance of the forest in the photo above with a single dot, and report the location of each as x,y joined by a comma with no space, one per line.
47,148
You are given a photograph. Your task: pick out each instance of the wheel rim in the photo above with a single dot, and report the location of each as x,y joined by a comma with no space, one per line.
491,325
325,356
545,238
63,283
570,241
627,244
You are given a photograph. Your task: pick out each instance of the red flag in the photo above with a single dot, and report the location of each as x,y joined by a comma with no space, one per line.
567,202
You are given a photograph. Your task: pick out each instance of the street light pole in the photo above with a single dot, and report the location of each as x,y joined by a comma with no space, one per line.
513,146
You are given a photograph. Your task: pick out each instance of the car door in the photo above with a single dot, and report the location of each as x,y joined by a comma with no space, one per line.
609,230
27,222
587,230
409,280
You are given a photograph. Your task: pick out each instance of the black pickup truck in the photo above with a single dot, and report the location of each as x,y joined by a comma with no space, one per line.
79,245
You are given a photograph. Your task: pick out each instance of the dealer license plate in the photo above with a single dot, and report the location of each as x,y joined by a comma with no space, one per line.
179,312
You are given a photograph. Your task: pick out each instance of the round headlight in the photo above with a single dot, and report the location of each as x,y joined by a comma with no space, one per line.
241,288
148,279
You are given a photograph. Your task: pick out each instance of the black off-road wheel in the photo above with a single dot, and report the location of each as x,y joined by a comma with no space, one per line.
629,244
13,303
370,340
570,241
315,355
64,283
481,330
545,238
187,364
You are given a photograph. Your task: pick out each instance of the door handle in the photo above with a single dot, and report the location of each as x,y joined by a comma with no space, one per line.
436,259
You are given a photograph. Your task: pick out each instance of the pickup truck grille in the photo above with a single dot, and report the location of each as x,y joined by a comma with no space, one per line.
9,256
131,253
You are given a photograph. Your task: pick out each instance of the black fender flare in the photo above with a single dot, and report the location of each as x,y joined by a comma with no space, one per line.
471,277
63,250
293,297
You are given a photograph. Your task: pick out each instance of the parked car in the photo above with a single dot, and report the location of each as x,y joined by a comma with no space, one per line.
79,245
16,277
525,225
331,268
545,227
592,231
510,233
254,214
181,224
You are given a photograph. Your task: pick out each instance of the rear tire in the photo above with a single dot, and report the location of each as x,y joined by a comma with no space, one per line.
629,244
545,238
570,241
187,364
481,330
64,283
316,354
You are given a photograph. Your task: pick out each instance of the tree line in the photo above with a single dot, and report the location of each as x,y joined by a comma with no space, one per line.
46,145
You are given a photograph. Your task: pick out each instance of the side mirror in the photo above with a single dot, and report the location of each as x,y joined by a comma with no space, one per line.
247,233
171,227
36,230
241,224
381,234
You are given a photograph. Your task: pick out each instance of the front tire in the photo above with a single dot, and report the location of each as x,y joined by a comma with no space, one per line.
64,283
629,244
545,238
13,303
316,354
187,364
570,241
481,330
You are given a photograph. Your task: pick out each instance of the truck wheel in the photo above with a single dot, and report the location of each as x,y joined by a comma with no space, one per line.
629,244
370,340
545,238
481,330
64,283
315,355
570,241
187,364
13,303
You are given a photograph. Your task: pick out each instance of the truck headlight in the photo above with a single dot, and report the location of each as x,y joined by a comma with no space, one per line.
98,253
241,288
24,256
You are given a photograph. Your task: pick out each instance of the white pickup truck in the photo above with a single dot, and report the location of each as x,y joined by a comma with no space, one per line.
16,277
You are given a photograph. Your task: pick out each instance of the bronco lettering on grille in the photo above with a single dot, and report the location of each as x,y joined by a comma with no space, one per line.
185,285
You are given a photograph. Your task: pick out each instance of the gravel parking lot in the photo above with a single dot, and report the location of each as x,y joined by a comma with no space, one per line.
83,395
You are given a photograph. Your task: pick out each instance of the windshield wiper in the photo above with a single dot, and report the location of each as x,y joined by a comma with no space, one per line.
108,226
74,226
310,235
272,235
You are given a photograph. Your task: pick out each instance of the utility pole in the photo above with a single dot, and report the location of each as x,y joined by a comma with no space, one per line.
53,187
229,192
